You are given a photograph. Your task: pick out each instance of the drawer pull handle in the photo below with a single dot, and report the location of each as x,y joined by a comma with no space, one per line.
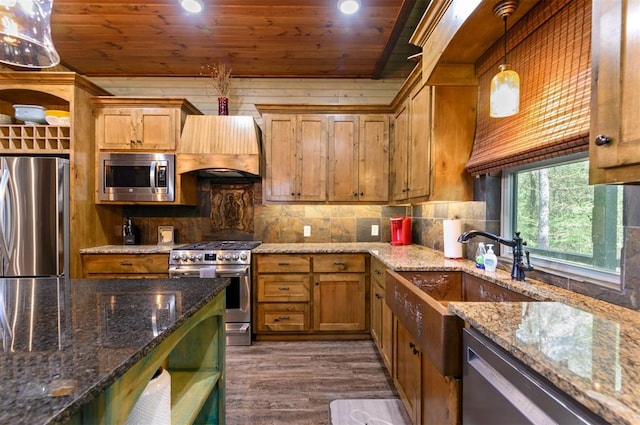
283,264
126,263
378,296
279,318
376,271
340,265
283,288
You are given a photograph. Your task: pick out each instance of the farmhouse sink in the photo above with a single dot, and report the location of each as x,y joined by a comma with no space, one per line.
419,300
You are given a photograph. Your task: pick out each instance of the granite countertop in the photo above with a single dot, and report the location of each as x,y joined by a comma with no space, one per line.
129,249
591,357
587,347
87,333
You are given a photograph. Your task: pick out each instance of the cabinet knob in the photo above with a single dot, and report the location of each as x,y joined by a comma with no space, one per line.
602,140
355,194
361,193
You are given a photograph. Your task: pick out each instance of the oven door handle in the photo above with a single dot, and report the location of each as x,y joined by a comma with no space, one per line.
232,271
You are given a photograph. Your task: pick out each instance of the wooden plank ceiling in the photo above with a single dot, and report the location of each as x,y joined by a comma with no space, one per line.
255,38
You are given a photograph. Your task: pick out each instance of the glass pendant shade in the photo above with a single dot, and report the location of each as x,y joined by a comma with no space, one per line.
25,34
505,93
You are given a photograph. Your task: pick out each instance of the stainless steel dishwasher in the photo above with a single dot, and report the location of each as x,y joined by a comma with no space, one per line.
499,389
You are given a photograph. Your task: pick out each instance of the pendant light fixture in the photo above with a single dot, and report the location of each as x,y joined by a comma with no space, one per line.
505,85
348,7
25,34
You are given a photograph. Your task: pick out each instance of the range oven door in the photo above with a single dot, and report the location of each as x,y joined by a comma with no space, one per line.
238,304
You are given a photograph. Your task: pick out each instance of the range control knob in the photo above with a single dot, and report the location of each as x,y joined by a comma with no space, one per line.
184,257
235,257
243,256
192,257
176,257
198,257
227,257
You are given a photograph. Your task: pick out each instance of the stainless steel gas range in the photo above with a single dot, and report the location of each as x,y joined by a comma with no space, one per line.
231,259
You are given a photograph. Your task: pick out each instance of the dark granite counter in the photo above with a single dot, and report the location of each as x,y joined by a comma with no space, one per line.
65,341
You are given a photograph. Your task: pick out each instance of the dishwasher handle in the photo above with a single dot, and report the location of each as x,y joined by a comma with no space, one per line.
509,391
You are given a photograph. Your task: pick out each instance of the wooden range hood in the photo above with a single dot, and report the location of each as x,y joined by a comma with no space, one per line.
220,146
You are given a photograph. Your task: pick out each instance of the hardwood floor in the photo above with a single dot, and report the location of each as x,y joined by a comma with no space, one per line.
292,383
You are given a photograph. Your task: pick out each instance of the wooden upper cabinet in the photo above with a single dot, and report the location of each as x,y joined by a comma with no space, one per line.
412,147
400,157
614,146
296,152
420,143
359,158
136,123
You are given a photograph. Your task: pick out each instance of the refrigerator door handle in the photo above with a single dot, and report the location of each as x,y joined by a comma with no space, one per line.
6,217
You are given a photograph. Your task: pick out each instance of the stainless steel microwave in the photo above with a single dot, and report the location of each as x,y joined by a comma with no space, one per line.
139,177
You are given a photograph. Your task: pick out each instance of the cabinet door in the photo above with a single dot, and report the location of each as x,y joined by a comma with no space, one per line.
419,159
615,97
343,158
373,158
156,128
136,128
377,301
311,154
280,157
116,128
399,177
339,302
407,372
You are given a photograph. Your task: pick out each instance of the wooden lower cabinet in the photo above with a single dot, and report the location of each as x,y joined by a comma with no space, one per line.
125,266
381,314
286,305
283,317
339,302
407,371
429,397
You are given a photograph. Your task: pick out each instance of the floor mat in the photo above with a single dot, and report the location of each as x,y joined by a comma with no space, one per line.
368,412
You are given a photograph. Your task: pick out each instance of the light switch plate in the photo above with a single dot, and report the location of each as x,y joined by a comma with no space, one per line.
306,231
375,230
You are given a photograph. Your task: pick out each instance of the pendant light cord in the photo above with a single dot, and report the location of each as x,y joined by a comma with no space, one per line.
504,18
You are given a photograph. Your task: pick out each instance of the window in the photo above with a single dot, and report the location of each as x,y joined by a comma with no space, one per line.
568,225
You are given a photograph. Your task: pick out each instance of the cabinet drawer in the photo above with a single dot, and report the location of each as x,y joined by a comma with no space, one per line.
283,288
283,317
283,264
125,264
377,271
330,263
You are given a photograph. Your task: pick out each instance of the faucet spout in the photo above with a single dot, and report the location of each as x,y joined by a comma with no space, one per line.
519,267
464,238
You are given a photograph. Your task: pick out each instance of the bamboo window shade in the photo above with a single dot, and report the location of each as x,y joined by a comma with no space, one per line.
550,48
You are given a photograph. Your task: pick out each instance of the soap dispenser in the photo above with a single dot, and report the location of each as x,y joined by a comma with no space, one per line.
480,253
490,259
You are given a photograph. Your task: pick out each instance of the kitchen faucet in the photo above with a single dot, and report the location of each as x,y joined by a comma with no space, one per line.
519,267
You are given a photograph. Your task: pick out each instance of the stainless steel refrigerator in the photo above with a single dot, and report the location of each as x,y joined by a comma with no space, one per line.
34,216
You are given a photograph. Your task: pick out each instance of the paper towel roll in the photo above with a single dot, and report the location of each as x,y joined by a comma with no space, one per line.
154,404
452,230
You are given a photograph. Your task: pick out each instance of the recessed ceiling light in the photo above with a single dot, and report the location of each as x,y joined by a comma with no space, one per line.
348,6
192,6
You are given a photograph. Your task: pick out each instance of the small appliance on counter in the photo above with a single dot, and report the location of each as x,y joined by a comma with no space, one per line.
129,231
400,230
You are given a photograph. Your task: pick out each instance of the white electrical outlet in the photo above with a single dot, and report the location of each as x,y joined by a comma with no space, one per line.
306,231
375,230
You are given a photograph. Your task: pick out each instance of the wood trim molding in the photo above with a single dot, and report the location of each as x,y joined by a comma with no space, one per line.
323,109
